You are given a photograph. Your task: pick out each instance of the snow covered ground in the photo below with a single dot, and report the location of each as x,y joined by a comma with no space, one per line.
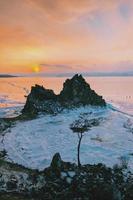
33,143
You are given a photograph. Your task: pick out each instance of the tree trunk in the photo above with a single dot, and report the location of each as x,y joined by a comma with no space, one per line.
80,138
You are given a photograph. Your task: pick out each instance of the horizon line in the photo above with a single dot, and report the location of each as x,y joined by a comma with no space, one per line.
86,74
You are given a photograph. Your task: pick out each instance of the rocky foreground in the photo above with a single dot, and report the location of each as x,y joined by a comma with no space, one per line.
64,180
76,92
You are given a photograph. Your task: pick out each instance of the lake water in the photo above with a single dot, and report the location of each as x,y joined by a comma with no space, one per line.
116,90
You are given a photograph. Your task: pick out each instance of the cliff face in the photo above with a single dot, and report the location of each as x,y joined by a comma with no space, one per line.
76,92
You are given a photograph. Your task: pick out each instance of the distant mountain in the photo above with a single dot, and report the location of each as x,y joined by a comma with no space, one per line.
7,76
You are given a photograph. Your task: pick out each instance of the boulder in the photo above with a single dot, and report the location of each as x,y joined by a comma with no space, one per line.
56,164
56,161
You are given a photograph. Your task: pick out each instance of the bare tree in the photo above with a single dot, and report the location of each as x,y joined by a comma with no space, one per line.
80,132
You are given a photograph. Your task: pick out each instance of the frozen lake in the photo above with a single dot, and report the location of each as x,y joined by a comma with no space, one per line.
33,143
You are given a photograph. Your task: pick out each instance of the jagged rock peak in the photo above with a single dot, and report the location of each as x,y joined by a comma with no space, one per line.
76,79
78,92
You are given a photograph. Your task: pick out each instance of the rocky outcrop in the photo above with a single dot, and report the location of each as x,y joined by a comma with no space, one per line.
40,100
90,182
76,92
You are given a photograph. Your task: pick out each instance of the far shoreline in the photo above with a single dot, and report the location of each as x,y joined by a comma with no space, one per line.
62,76
7,76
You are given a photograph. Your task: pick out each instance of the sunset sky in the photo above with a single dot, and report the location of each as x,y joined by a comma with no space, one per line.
62,36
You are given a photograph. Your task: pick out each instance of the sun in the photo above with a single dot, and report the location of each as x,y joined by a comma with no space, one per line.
36,68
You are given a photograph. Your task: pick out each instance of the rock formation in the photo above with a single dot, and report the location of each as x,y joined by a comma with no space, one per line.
76,92
41,100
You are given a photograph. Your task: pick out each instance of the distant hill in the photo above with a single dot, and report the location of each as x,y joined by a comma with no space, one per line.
7,76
